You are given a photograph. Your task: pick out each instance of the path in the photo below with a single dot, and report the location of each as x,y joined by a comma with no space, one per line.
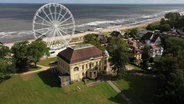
43,68
118,91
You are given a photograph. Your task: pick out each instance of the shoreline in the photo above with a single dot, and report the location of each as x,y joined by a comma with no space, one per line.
78,35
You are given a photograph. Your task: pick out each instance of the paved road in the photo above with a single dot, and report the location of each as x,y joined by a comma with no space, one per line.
118,91
114,86
43,68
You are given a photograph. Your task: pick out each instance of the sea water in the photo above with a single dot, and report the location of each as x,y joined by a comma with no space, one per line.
16,19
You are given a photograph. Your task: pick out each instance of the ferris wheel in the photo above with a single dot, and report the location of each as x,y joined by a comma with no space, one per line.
55,23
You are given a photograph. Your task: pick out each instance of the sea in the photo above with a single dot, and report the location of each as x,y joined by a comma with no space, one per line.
16,19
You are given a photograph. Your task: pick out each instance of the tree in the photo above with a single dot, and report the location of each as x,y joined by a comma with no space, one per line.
36,50
145,57
3,65
4,51
3,68
172,18
174,45
118,50
92,39
171,72
20,54
165,27
152,26
163,21
133,33
180,22
171,81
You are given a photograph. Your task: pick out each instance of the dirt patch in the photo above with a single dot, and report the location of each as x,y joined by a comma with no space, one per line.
26,76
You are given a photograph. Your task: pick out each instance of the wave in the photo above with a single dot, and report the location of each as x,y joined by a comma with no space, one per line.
95,26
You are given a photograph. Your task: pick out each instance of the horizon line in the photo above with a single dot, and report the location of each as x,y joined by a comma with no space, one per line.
107,3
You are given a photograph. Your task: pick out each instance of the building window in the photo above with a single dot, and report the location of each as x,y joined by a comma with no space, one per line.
91,65
83,74
82,66
90,74
86,66
105,61
97,63
76,69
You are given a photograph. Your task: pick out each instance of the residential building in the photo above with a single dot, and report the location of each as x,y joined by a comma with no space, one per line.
83,61
151,38
156,51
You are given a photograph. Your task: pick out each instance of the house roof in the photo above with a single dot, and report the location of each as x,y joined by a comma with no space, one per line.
74,55
155,36
102,39
150,36
147,36
116,33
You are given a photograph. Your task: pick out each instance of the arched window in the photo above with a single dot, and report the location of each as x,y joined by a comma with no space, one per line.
76,69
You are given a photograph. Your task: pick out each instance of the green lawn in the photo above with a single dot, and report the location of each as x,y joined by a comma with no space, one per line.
42,88
45,62
140,90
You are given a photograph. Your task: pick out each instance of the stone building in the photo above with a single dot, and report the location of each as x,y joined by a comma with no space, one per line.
84,61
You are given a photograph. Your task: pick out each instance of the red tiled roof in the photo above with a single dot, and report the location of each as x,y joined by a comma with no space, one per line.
77,55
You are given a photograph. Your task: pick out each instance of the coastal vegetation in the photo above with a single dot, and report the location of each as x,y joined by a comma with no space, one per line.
170,21
21,56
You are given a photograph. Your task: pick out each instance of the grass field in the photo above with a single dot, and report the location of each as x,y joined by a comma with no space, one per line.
45,62
140,90
42,88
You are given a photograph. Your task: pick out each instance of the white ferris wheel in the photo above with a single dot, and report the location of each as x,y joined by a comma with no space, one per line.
55,23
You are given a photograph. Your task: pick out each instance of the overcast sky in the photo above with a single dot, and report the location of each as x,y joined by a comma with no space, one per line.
99,1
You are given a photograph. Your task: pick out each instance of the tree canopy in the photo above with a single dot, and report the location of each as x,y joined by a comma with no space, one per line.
145,57
20,54
171,72
152,26
118,50
25,53
36,50
92,39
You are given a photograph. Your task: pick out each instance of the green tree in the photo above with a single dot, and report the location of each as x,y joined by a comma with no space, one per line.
180,22
174,45
36,50
118,50
4,51
165,27
171,81
133,32
92,39
3,69
145,57
3,65
171,74
20,55
152,26
172,18
163,21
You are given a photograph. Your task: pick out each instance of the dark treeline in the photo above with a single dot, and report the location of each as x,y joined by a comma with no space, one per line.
171,72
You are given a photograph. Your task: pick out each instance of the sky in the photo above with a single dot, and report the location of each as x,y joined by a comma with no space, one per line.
98,1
